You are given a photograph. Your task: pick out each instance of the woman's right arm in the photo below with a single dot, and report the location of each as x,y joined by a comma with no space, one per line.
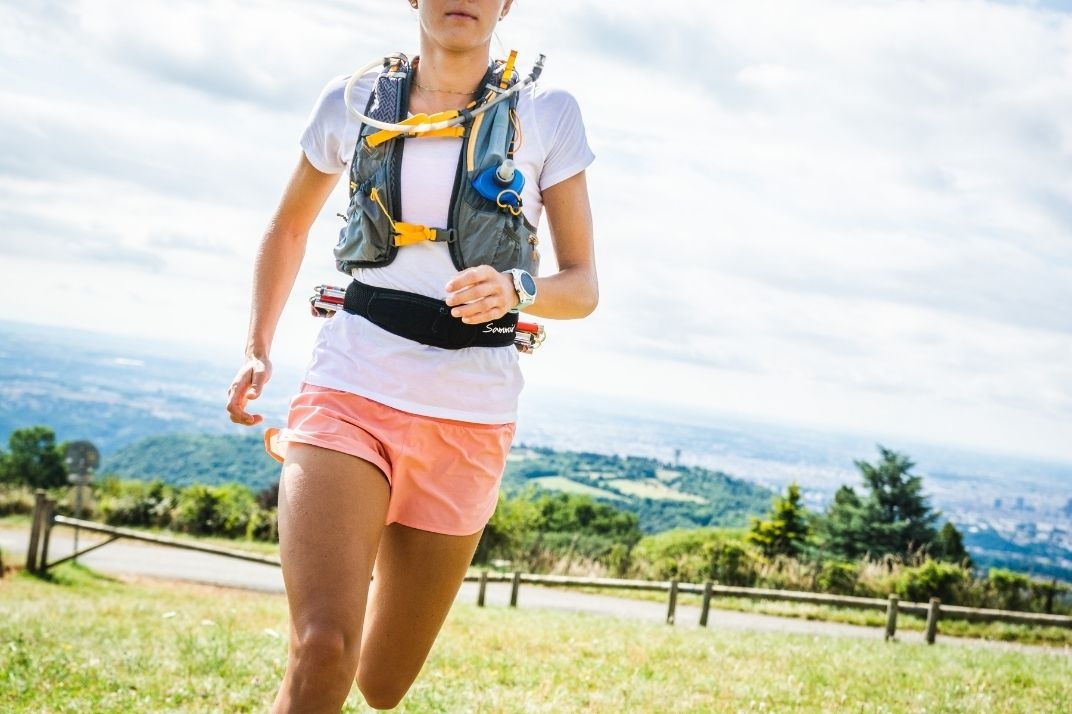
275,269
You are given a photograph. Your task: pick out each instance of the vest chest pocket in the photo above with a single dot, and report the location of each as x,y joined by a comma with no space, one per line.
488,235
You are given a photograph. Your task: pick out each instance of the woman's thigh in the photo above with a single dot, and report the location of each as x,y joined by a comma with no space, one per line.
417,577
331,514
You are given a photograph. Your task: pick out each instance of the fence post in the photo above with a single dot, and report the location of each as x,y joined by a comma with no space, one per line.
35,531
672,606
707,588
932,619
482,589
891,616
514,587
47,510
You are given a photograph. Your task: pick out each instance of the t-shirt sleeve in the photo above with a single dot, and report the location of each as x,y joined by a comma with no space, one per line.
325,133
568,152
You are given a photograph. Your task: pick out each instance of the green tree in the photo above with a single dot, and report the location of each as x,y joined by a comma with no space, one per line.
786,530
843,524
893,518
949,546
34,460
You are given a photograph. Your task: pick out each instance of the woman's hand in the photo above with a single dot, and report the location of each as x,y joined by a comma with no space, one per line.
248,384
481,294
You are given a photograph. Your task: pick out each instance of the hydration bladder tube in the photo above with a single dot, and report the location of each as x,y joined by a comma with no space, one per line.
497,179
409,129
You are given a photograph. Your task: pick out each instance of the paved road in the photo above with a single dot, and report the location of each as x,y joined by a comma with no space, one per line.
143,559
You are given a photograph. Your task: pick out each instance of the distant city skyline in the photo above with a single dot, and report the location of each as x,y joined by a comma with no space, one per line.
839,215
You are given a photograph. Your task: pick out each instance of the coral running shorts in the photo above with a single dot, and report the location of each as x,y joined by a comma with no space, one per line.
444,475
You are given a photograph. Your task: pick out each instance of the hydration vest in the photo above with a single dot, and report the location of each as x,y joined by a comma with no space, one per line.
486,225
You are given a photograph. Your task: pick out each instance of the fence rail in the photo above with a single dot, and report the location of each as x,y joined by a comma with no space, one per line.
44,519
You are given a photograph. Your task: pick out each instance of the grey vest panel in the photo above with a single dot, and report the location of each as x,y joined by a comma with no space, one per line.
480,233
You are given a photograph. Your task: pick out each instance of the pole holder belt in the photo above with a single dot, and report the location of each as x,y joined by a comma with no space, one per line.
424,319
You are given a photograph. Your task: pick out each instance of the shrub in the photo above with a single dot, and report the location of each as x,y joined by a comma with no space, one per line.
946,581
16,500
697,555
136,503
1008,588
215,510
263,525
838,577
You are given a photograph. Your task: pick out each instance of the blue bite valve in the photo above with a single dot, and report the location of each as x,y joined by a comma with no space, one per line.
501,184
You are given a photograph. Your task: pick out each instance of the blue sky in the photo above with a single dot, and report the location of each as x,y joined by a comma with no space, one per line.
838,214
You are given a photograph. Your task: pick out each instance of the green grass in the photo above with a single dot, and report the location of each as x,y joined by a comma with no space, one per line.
88,643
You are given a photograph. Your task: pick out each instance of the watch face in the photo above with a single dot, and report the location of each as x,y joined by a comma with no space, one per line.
527,283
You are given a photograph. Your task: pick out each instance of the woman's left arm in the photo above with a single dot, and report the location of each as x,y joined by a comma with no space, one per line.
573,291
482,294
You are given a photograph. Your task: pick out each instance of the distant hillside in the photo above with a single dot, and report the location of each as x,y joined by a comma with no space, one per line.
184,459
663,496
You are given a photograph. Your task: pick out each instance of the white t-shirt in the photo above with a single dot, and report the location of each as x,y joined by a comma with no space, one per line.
475,384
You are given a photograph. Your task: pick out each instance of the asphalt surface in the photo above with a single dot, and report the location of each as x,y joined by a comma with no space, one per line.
126,557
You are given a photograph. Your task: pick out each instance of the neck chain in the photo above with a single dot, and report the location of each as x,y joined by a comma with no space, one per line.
469,93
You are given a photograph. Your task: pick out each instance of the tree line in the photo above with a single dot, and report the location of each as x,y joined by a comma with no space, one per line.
879,537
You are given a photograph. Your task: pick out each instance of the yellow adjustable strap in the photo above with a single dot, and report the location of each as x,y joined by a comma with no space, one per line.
388,134
404,233
504,81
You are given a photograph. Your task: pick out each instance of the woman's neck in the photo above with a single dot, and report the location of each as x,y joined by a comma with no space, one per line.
443,68
446,80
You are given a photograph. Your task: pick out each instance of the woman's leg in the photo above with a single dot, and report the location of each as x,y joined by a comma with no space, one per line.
417,577
332,508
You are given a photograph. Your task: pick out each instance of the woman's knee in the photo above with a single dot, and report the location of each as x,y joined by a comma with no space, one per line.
325,650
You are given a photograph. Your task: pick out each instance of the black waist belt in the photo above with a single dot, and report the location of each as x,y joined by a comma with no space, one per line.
424,319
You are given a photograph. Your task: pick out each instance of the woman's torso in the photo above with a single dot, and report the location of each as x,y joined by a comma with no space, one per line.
477,384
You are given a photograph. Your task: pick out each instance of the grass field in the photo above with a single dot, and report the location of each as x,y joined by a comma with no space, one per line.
89,643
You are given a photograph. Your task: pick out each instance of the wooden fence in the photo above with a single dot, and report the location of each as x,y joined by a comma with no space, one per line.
933,610
44,519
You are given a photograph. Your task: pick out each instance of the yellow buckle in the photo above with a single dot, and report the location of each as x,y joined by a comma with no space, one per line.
410,233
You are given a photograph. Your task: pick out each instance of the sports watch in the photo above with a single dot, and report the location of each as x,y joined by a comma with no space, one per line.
525,287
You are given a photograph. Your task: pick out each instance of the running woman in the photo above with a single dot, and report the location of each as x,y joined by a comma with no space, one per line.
394,448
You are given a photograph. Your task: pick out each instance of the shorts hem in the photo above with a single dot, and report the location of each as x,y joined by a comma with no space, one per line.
366,455
438,530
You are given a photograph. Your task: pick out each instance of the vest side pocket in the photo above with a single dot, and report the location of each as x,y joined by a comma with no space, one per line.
366,239
521,234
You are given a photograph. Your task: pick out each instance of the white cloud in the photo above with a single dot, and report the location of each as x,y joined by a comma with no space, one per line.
828,212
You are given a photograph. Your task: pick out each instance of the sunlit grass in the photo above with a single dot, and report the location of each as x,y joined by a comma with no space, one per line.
88,643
